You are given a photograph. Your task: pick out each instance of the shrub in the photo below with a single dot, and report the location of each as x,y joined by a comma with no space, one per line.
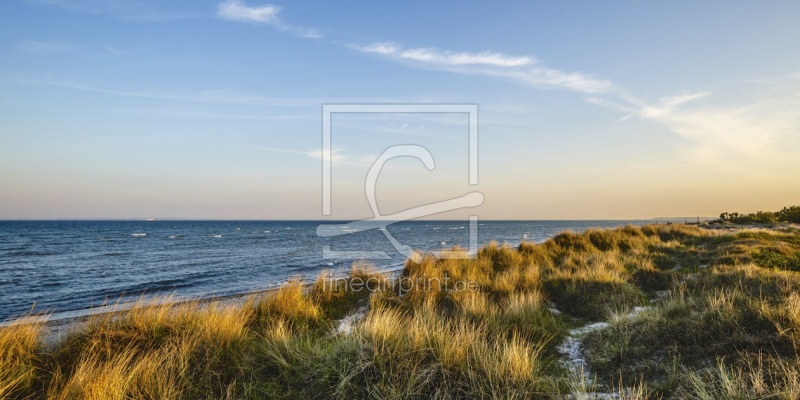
787,214
592,299
772,258
790,214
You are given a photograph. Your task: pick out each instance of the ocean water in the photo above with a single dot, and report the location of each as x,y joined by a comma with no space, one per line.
67,267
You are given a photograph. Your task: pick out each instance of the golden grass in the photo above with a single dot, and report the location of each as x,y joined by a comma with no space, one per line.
759,378
20,345
432,339
290,305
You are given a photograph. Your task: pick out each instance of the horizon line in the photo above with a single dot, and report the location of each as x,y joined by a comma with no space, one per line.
112,219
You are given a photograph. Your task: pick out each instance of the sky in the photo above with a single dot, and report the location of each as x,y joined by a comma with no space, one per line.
212,109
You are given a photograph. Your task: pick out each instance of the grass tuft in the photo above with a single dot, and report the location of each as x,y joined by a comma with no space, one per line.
723,322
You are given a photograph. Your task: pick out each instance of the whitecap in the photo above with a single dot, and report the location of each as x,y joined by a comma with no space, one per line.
138,234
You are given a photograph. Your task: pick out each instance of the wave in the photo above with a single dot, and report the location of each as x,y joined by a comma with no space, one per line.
29,253
216,236
114,254
138,234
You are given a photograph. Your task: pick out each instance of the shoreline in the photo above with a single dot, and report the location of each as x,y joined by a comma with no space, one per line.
56,263
629,312
62,325
68,318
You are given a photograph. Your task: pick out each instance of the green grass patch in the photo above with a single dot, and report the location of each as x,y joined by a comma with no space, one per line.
729,327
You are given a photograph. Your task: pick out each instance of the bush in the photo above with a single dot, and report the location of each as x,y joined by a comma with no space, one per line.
790,214
593,299
787,214
772,258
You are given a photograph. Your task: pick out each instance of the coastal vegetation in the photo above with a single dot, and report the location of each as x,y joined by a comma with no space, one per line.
675,311
786,214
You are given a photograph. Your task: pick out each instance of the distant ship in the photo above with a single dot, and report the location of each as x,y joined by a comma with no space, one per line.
149,219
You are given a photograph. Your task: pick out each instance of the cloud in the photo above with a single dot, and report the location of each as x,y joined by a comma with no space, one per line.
235,10
753,130
339,159
215,96
523,69
435,56
635,107
130,10
336,154
548,77
205,96
731,136
224,116
759,130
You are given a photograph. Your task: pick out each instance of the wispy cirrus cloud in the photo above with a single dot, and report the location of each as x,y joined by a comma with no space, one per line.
238,11
339,158
212,96
336,154
130,10
634,107
730,135
524,69
223,116
267,14
716,135
435,56
204,96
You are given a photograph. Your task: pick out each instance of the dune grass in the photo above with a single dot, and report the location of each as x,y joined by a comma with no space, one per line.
20,347
722,324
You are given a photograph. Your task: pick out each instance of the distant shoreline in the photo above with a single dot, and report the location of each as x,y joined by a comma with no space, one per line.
541,318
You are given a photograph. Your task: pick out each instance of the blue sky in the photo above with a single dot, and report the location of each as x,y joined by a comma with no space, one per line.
211,109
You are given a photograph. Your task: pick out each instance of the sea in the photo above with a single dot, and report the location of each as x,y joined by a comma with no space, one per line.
69,268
